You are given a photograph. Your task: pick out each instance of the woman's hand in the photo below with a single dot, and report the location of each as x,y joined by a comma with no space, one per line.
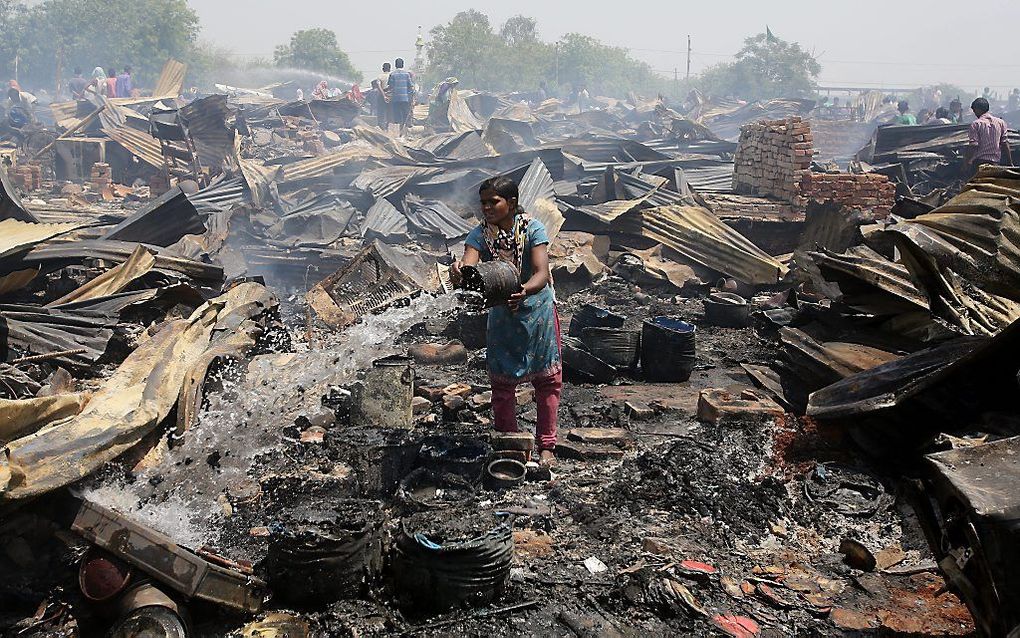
455,274
515,299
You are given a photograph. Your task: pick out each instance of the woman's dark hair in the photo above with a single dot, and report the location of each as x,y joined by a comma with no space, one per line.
504,187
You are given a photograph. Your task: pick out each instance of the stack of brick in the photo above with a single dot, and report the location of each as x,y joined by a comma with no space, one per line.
28,176
773,159
102,177
770,157
869,192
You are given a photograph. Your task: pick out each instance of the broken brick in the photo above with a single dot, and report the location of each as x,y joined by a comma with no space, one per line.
602,436
420,405
586,452
513,441
720,406
461,390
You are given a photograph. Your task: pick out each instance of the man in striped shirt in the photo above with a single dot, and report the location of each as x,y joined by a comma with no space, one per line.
987,143
401,86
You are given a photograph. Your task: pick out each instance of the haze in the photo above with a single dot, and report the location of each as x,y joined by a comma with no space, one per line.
861,44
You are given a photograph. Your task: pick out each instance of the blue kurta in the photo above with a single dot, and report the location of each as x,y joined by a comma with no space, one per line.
522,345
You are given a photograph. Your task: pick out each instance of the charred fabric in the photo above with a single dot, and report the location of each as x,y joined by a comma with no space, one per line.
240,396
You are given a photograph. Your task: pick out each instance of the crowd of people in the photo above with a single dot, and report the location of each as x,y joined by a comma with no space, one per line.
107,83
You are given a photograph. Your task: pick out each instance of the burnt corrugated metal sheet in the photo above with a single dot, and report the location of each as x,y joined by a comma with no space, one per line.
161,222
385,223
53,255
434,218
702,238
537,196
171,79
221,195
206,122
316,167
39,330
871,268
977,233
11,206
18,236
140,144
611,150
383,182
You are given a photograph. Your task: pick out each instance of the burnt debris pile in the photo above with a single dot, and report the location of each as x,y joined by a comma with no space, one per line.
241,396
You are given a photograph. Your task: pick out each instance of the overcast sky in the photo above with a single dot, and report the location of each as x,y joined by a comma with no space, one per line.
867,43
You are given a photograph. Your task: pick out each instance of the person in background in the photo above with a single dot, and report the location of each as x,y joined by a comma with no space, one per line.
382,98
98,82
905,118
956,111
941,116
987,139
300,95
543,92
524,335
924,116
321,91
111,82
401,88
124,87
20,105
583,100
77,85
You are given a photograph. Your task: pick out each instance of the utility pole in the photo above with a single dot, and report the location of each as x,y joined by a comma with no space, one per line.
676,82
557,67
688,62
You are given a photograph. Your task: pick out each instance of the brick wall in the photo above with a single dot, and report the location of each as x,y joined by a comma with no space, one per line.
773,159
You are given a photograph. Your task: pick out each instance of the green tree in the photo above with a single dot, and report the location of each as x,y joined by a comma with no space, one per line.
519,31
766,67
464,47
316,50
67,33
604,70
516,59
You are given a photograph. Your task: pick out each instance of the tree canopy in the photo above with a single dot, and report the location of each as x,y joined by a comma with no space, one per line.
115,33
514,57
316,50
766,67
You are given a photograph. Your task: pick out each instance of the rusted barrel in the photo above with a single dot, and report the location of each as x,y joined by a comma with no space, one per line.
493,281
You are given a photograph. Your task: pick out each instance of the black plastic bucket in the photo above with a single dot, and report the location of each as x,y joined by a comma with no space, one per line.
617,347
333,555
437,574
494,281
591,316
727,310
667,349
578,360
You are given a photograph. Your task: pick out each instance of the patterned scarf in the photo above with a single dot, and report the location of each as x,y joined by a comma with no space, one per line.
508,245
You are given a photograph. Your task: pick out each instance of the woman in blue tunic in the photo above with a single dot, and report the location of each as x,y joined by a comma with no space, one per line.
524,335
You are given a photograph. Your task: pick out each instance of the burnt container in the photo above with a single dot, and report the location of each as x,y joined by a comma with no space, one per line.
727,310
618,347
494,281
592,316
667,349
317,558
436,574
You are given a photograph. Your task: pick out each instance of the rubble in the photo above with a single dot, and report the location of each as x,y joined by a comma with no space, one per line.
234,365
